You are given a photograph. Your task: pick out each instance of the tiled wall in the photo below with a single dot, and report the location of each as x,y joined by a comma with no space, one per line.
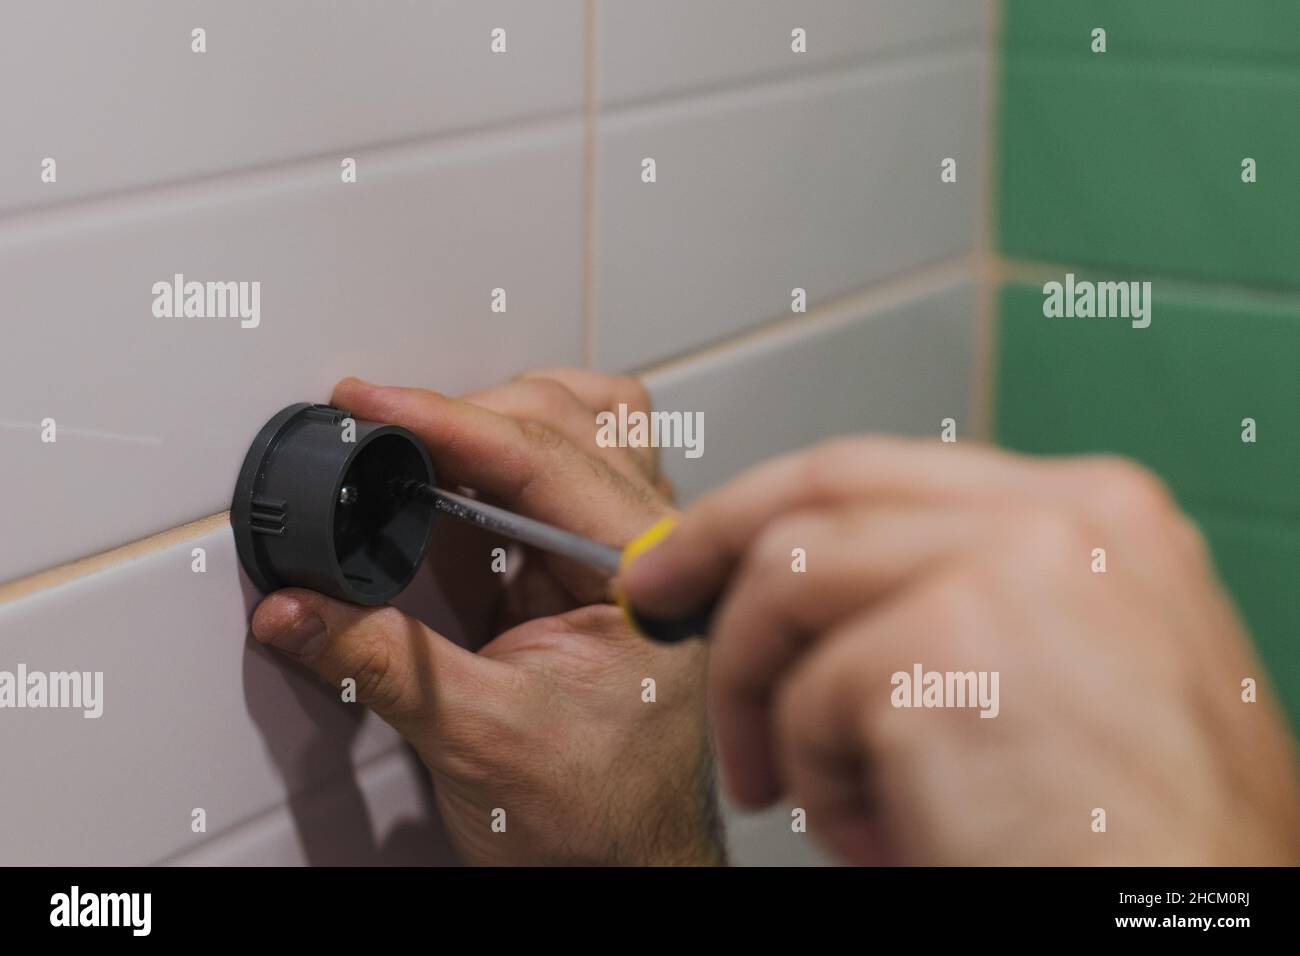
475,171
1127,165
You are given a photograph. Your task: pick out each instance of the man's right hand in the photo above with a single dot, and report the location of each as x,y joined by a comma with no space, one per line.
1119,691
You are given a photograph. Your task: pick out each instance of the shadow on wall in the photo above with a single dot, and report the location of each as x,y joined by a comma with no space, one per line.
309,733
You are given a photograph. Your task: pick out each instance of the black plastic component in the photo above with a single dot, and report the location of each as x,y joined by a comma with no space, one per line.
697,623
315,510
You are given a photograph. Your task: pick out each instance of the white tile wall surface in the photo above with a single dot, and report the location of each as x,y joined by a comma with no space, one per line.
824,183
113,92
389,278
767,838
195,714
381,817
672,46
886,364
819,171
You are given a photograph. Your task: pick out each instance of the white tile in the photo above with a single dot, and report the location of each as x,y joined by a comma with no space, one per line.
646,49
825,183
887,366
389,279
767,838
384,817
195,714
114,94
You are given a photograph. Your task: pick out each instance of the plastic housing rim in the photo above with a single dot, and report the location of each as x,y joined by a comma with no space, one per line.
251,474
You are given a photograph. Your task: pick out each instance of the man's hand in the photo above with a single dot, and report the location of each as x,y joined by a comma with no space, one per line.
546,722
1119,691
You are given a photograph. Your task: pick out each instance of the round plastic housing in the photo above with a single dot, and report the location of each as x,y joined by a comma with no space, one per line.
315,505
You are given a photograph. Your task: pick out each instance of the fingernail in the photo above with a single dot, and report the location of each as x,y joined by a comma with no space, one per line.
302,638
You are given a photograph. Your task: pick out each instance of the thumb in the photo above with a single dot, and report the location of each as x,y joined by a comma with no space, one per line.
405,672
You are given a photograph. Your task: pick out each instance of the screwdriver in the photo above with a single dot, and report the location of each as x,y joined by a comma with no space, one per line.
549,538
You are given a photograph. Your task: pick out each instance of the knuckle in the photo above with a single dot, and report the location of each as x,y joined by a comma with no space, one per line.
631,392
771,552
1134,492
827,463
542,436
1189,539
954,603
1045,533
549,398
370,662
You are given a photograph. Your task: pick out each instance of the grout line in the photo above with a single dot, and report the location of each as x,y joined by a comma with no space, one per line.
105,201
891,291
895,289
1156,57
298,168
589,190
93,564
984,374
1010,269
371,765
941,50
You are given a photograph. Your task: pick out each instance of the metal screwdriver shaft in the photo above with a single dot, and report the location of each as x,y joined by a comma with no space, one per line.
518,528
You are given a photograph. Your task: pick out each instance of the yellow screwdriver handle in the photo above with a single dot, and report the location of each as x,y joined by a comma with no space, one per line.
665,630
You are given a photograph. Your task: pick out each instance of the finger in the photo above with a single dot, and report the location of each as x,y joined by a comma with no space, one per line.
820,754
1129,509
843,719
548,402
597,390
470,445
529,468
805,574
605,393
409,675
691,564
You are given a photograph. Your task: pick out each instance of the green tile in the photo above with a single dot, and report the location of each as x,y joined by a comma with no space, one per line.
1254,28
1138,165
1127,166
1261,567
1171,396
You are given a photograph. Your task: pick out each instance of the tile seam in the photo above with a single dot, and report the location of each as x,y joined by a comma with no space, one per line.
49,578
370,765
984,375
1019,270
895,289
588,317
294,170
860,63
